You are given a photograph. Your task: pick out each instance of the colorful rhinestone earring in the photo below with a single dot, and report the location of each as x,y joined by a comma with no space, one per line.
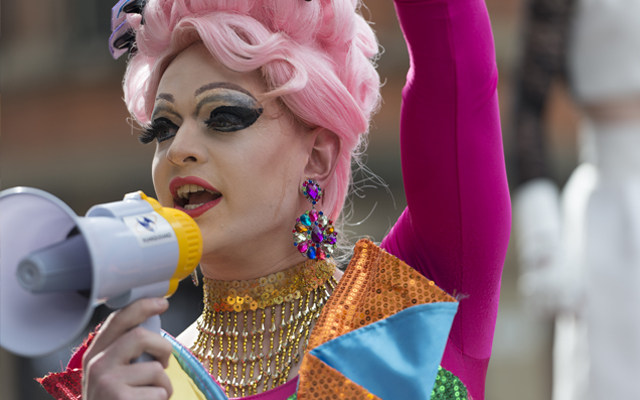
314,234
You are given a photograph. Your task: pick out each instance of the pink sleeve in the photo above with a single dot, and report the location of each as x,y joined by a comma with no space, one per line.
456,227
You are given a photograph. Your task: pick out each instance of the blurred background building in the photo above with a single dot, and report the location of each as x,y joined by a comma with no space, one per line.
65,130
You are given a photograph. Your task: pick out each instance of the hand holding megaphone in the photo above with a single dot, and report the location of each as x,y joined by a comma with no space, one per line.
107,370
55,267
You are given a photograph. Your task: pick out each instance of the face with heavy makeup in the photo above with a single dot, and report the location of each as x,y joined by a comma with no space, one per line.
231,162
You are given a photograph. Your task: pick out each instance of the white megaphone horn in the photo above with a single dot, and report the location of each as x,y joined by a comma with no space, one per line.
55,266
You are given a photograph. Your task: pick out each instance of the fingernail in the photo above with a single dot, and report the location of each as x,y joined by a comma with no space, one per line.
162,302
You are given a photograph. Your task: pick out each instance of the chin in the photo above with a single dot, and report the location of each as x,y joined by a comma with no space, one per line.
211,248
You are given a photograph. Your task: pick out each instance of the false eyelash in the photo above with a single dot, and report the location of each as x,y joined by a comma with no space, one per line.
155,131
146,135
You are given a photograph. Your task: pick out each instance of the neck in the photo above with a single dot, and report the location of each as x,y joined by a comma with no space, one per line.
252,333
249,264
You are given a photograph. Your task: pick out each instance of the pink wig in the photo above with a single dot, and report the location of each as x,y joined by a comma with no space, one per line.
315,56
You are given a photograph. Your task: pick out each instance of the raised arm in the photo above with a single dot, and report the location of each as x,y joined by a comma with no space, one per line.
456,227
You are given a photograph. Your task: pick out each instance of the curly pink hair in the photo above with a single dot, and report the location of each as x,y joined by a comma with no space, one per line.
316,57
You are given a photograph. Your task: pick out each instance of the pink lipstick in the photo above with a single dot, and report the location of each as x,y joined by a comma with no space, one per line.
193,195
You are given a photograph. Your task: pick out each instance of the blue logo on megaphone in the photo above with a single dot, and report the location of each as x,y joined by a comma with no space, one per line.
147,223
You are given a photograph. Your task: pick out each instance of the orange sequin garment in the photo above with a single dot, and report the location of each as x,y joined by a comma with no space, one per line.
376,285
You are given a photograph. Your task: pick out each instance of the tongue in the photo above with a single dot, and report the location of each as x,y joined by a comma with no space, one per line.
201,197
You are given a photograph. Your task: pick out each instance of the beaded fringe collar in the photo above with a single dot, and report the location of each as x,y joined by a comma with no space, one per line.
238,329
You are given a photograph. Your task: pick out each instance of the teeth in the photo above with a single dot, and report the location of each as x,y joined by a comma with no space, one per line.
192,206
183,192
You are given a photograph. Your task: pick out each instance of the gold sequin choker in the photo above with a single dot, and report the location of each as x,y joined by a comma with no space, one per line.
252,332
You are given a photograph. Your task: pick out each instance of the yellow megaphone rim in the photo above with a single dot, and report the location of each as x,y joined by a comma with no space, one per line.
189,241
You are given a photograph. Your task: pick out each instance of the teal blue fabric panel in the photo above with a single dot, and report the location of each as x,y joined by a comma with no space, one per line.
395,358
195,370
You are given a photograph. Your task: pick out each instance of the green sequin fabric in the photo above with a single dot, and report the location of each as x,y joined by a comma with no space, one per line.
448,387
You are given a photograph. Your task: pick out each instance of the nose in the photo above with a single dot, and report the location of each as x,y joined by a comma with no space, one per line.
186,146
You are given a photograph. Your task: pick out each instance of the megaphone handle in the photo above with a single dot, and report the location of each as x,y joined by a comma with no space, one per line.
152,324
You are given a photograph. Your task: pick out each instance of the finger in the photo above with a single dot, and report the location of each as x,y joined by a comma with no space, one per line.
129,393
123,320
149,393
129,347
104,378
147,374
137,341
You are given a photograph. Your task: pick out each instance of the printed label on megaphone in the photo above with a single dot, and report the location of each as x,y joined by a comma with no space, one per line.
150,229
51,280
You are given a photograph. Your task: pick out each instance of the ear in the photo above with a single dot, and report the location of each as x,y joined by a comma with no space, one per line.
323,157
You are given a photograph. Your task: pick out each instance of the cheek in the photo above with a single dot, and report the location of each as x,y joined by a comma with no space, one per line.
263,162
283,151
282,170
159,176
279,164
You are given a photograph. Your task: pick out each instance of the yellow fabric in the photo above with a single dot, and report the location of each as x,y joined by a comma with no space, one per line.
183,386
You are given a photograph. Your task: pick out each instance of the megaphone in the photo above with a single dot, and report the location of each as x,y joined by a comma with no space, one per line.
55,266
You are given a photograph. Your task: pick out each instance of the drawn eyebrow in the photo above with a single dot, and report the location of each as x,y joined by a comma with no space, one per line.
165,108
225,97
223,85
166,96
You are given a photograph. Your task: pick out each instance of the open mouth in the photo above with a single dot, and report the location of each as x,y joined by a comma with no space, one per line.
193,196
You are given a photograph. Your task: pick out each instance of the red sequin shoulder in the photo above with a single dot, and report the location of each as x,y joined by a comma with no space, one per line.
67,385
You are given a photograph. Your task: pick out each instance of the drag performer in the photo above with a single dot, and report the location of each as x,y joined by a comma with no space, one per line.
257,109
580,250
